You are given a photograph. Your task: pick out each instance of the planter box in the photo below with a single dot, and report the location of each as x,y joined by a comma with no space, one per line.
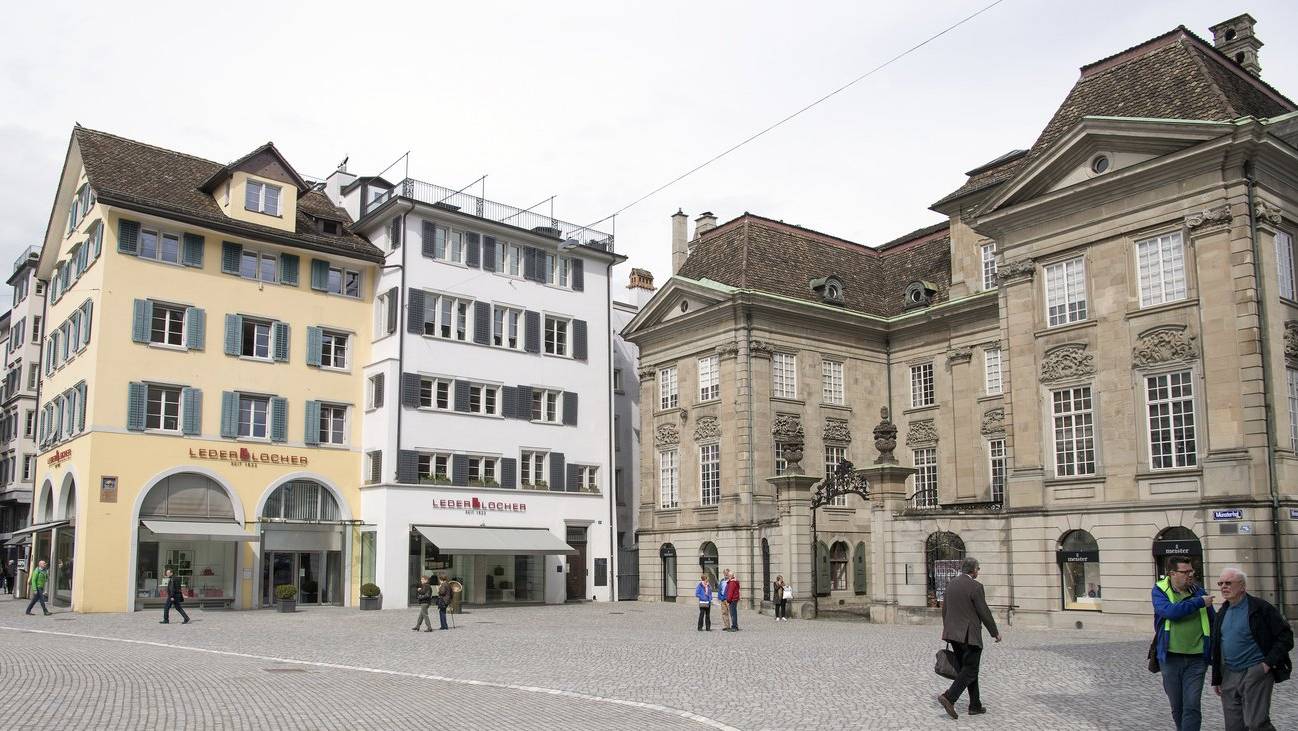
287,605
371,602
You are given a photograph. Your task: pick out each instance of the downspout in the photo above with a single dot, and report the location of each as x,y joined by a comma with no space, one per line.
1268,409
611,493
401,317
752,440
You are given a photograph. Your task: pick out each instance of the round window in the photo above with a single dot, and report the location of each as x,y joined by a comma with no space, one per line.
1100,164
832,292
685,306
916,295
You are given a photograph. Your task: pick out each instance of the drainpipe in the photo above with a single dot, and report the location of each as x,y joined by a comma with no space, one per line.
1268,409
752,440
401,316
611,493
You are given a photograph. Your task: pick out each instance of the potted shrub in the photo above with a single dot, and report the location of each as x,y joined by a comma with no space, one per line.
371,597
287,596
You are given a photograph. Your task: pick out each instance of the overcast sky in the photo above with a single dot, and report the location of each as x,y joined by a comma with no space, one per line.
595,102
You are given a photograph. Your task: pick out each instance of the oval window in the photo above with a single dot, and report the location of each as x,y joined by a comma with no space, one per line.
1100,164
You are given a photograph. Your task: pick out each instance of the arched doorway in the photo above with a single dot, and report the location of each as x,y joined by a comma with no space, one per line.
838,566
65,542
766,570
943,552
1079,571
302,543
708,562
667,556
1178,541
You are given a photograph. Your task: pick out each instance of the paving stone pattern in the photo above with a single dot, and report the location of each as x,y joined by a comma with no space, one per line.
627,665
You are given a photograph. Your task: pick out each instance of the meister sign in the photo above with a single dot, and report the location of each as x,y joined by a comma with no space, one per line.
499,506
247,457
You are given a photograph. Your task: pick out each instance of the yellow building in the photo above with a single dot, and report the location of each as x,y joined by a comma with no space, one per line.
205,332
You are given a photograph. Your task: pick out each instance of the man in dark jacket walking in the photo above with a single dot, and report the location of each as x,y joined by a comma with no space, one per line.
174,599
1183,619
732,600
1250,654
964,613
443,598
424,597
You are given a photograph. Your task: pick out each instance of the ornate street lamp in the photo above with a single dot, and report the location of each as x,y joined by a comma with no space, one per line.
843,481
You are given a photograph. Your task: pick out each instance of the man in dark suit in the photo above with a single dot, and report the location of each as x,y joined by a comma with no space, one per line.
175,597
964,612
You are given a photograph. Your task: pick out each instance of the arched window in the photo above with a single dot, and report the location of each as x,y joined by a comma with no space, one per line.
301,500
668,556
1178,541
1079,570
70,500
838,566
943,553
187,495
45,505
708,561
766,570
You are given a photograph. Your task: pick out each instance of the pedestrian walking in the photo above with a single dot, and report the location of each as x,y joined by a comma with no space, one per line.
777,595
721,597
8,577
424,597
703,592
964,613
444,593
1250,654
40,576
732,601
1183,618
175,597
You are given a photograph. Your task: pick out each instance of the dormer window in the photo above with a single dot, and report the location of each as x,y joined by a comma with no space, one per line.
919,294
829,288
262,198
329,227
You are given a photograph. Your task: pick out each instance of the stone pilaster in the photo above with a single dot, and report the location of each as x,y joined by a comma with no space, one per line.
793,500
887,496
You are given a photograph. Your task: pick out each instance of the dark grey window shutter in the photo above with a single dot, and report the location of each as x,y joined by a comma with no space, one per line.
429,234
192,405
407,466
509,402
278,419
509,472
415,312
311,429
193,255
392,310
376,466
288,269
135,397
128,236
524,403
281,341
529,263
229,414
578,275
579,339
471,253
380,387
532,331
482,323
558,472
314,344
489,253
461,395
195,328
571,482
141,320
233,328
569,408
231,253
319,275
460,469
410,390
394,232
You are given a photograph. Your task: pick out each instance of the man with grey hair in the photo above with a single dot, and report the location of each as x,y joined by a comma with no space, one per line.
964,613
1250,654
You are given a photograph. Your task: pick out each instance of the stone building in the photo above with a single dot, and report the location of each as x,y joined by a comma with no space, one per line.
1093,365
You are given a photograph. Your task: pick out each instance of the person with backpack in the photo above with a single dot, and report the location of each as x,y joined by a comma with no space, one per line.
703,592
732,600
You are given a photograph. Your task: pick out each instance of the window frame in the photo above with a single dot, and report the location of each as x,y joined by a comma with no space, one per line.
436,461
987,258
709,377
327,335
993,382
253,400
926,477
532,464
1286,266
668,388
1179,459
558,271
343,275
256,322
324,434
1161,274
1073,310
262,198
168,311
834,454
833,387
784,375
161,416
923,390
259,261
669,479
997,465
435,386
488,396
557,343
482,470
507,323
159,233
710,474
546,406
1291,377
1083,418
459,307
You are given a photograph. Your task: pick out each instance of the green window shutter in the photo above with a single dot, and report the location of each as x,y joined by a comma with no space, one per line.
135,396
195,328
281,341
311,434
142,317
128,237
319,275
233,331
191,405
288,266
229,414
314,341
97,239
278,419
231,253
88,308
81,407
193,254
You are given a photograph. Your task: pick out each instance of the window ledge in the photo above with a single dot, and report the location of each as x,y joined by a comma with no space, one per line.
920,409
1078,480
672,410
1164,307
992,397
1170,472
836,407
1070,327
787,400
255,359
168,346
708,402
331,369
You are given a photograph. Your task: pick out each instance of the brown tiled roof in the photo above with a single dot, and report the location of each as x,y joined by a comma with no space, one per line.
752,252
140,176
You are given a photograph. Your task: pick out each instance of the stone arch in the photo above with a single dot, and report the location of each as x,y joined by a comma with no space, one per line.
344,509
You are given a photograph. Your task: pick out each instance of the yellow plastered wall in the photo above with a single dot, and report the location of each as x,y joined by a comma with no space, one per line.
238,182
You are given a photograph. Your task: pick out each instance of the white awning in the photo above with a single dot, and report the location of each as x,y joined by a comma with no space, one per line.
39,528
494,541
200,530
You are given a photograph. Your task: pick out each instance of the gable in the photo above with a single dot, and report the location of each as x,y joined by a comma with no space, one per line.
679,298
265,164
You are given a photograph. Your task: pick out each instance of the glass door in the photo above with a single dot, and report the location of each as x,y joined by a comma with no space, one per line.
333,579
309,568
277,568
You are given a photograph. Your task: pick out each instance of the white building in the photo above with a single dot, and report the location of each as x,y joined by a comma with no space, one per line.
626,431
22,358
488,422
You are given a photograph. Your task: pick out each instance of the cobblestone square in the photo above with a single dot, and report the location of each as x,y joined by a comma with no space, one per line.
598,666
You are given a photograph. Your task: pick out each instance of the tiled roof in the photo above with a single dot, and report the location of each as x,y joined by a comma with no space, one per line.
752,252
133,174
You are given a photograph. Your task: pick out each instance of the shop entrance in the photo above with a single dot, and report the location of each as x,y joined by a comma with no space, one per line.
576,568
316,574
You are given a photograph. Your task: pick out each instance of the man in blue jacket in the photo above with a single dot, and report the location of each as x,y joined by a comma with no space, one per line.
1183,618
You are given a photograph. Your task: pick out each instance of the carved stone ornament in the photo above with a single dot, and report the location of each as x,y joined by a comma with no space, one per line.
728,350
1169,345
956,356
1067,361
994,421
1291,339
666,435
1016,269
648,374
1267,213
885,437
760,349
787,428
921,433
1208,217
708,428
836,430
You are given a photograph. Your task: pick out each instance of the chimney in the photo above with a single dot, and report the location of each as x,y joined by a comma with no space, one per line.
680,242
641,285
704,223
336,181
1235,38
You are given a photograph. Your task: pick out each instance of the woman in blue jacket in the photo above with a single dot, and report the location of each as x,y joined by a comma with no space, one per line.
703,592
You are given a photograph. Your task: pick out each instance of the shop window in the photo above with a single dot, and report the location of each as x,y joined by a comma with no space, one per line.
708,562
1177,541
943,553
1079,571
187,495
838,567
667,555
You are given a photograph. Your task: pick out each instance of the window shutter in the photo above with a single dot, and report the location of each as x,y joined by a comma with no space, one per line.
428,234
471,252
311,431
191,403
278,419
461,395
578,275
233,331
195,328
415,312
392,310
558,473
288,269
319,274
143,316
97,237
509,472
408,466
81,409
524,403
314,343
569,408
229,414
394,233
858,570
281,341
376,466
509,402
482,323
532,331
410,390
379,389
489,253
231,253
193,255
128,237
822,570
460,470
571,483
135,396
89,308
579,339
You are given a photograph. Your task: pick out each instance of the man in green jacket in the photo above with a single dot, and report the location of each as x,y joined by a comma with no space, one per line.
37,582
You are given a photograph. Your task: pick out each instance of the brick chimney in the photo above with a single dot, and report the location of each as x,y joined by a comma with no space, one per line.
680,242
641,285
1235,38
